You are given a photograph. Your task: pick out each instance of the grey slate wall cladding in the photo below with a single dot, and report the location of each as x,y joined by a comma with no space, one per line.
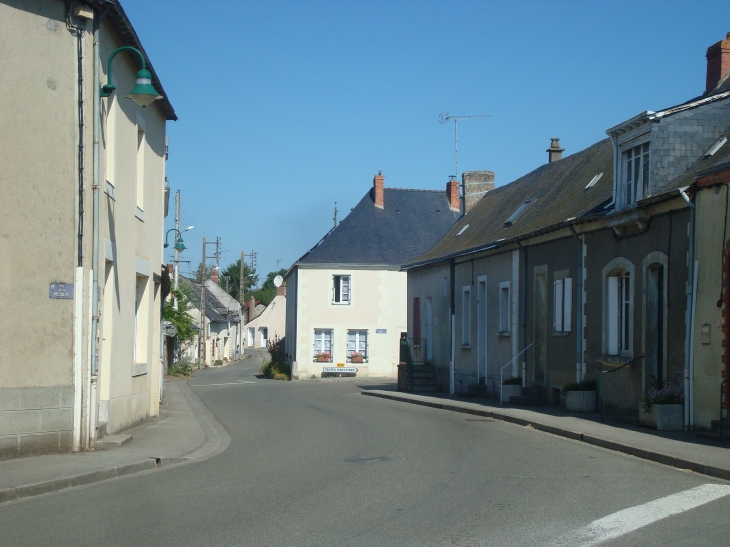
37,420
679,140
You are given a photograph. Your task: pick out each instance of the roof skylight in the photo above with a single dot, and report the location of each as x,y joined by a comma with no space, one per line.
715,147
594,180
462,230
518,213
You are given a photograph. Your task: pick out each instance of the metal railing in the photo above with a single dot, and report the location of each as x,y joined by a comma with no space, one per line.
600,381
501,371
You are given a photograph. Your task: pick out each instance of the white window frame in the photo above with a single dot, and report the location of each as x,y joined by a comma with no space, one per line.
345,294
563,299
466,316
320,336
264,339
505,290
619,313
635,172
359,343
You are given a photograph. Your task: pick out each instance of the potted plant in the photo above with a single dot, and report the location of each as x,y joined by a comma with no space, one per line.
580,396
512,387
322,357
662,409
356,357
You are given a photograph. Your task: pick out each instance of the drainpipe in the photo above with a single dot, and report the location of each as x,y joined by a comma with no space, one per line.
452,364
579,309
690,318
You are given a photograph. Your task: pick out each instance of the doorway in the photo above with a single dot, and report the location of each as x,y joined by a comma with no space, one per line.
429,329
654,328
540,322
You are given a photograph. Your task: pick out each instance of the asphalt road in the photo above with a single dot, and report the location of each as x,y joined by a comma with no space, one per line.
316,463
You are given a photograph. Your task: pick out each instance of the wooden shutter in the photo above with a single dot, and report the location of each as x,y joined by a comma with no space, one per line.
558,319
567,304
612,307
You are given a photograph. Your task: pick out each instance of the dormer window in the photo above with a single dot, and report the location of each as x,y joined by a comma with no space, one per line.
635,174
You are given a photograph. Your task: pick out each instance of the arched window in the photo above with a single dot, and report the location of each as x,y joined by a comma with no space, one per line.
618,307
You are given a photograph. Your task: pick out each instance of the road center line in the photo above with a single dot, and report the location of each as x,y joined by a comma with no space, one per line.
633,518
226,384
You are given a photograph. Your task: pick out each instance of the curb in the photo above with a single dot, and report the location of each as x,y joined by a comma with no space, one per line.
55,485
671,461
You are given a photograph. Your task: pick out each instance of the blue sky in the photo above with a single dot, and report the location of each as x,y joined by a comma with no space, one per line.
288,107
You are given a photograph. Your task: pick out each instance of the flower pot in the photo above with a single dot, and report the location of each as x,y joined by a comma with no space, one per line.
510,391
662,417
323,360
580,401
356,359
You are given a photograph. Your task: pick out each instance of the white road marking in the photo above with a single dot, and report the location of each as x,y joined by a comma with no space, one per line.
633,518
226,384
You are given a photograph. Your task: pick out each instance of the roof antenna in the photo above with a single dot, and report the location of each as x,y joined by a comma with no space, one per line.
444,117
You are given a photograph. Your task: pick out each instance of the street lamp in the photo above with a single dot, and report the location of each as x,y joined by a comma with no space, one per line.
179,245
142,93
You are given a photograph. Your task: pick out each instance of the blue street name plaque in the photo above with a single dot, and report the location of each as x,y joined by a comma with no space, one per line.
61,290
381,331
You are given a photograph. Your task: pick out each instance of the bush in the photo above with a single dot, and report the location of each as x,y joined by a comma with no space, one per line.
183,368
277,365
585,385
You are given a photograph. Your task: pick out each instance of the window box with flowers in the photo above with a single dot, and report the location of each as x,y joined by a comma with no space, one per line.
663,409
356,357
323,357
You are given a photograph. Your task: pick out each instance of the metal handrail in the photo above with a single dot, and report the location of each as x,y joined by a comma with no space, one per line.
501,371
722,386
600,381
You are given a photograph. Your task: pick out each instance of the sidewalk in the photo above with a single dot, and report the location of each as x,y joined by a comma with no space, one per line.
185,431
677,449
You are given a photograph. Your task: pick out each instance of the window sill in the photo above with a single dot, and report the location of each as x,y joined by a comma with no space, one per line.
340,303
560,333
465,346
613,360
139,214
504,333
139,369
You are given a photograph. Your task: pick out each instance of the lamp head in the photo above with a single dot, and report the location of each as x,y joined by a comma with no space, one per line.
179,246
143,93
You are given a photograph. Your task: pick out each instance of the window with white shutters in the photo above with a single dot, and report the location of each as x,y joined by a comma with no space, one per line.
563,304
341,289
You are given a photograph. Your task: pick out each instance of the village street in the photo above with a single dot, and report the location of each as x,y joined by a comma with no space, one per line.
317,463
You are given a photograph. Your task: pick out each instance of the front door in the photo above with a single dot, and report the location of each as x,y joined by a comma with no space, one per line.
429,329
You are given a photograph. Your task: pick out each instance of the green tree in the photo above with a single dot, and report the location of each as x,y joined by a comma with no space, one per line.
267,291
179,317
233,273
200,270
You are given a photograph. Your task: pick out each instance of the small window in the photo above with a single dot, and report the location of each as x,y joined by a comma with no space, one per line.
323,345
357,344
618,310
466,316
715,147
341,289
563,304
518,213
635,173
504,307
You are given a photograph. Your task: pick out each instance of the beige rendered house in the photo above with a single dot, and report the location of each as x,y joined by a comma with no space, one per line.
346,298
81,227
270,323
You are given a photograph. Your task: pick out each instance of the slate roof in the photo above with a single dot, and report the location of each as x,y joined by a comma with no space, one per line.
411,222
215,310
718,161
558,192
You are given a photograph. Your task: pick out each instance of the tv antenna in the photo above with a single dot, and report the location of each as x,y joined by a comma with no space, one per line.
444,118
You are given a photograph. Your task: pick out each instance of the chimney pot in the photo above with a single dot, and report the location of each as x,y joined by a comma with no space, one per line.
555,153
718,63
476,185
378,191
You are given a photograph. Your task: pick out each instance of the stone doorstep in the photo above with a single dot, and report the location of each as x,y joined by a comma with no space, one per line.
115,440
671,461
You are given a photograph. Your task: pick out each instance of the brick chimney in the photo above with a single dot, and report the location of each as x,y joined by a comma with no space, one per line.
281,291
476,186
214,276
252,309
555,153
379,191
452,194
718,63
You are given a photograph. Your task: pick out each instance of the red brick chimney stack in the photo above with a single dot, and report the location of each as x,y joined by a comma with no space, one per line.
214,276
281,291
718,63
452,194
379,191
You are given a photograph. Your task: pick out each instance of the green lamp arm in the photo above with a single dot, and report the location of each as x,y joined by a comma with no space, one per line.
107,89
168,233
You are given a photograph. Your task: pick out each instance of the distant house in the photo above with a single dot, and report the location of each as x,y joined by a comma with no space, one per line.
269,323
346,302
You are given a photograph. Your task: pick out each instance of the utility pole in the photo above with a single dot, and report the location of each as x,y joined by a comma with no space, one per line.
177,253
240,286
201,332
335,219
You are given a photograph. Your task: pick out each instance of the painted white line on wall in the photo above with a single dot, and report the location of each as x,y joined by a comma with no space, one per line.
226,384
633,518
